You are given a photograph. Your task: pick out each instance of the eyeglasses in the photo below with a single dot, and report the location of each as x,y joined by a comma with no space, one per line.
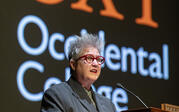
90,58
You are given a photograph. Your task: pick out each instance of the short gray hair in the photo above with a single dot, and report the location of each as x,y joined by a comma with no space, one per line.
84,41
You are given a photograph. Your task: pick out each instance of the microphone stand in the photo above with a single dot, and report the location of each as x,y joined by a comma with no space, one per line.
120,85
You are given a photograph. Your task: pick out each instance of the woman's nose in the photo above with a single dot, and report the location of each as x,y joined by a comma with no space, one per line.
95,62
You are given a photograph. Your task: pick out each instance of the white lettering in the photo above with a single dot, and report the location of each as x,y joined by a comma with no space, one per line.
20,80
20,34
112,52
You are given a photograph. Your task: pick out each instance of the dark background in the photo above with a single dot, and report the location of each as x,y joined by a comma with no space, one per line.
63,19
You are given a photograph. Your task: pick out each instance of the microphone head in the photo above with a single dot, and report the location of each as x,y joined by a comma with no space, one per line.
119,85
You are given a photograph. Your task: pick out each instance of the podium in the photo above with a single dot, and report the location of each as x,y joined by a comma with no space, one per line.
170,107
150,109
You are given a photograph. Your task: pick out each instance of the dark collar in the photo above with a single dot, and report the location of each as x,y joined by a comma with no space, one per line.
78,89
82,96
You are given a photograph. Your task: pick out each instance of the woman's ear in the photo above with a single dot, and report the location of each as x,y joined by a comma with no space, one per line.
72,64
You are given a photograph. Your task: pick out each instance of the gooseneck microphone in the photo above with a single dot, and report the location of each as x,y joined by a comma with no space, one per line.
120,85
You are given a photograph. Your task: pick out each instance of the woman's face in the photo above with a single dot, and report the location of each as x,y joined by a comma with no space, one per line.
85,71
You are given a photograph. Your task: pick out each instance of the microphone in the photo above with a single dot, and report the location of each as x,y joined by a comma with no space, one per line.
120,85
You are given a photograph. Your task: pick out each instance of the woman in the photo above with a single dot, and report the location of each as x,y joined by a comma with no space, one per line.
76,95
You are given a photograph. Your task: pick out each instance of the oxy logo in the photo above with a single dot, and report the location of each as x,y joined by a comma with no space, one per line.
111,11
